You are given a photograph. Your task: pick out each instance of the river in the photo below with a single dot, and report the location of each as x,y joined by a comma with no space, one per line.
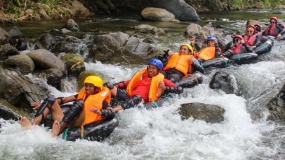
160,133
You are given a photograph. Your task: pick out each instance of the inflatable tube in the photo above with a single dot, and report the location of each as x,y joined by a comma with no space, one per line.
191,80
94,132
216,62
244,58
264,47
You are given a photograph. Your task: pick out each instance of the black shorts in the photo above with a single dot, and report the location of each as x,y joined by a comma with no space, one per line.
122,95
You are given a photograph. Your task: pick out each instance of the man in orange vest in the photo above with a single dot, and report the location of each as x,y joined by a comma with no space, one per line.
211,51
90,105
181,64
147,85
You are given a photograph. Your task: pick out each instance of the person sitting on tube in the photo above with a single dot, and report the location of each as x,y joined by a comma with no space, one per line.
91,104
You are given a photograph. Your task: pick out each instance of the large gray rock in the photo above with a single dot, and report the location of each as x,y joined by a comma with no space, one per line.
45,41
21,62
158,14
276,106
7,113
74,64
7,50
224,82
4,36
201,111
179,8
18,89
46,60
71,25
146,28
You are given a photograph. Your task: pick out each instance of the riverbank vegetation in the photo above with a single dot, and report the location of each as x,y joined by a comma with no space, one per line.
60,9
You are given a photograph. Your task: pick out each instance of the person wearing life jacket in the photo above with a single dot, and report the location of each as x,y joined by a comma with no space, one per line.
273,29
180,64
250,37
146,85
91,104
238,47
258,31
211,51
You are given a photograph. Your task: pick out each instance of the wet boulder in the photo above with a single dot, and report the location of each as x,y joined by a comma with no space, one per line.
18,89
45,41
200,111
224,82
7,113
7,50
276,106
17,39
71,25
4,36
53,76
145,28
144,49
44,59
118,47
120,37
74,64
20,62
157,14
181,10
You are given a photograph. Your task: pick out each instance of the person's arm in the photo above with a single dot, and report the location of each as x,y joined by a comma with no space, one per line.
280,29
123,84
62,100
168,83
59,100
107,112
257,41
161,88
172,88
196,65
247,48
217,50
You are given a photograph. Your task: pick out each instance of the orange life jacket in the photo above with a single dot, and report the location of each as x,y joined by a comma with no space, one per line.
207,53
179,62
94,101
153,95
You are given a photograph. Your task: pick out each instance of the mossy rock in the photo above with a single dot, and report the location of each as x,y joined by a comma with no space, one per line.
74,64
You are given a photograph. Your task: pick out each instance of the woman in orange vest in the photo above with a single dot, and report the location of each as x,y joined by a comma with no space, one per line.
91,104
211,51
146,85
180,64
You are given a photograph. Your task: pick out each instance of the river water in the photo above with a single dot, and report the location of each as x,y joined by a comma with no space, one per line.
160,133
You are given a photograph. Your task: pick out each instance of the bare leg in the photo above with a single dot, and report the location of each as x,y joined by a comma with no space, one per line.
56,113
25,123
55,128
118,108
59,127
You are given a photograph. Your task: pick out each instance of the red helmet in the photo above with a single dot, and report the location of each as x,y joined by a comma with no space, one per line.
251,26
258,27
274,18
237,36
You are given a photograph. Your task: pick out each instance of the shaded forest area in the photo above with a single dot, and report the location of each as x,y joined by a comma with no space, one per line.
57,9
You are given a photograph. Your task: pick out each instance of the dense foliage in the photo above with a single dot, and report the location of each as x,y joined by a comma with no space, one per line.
15,6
